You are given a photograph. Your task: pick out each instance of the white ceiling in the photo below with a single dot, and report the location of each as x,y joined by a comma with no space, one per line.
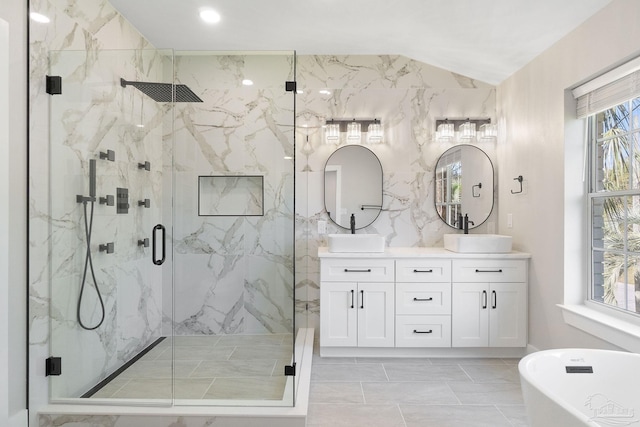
487,40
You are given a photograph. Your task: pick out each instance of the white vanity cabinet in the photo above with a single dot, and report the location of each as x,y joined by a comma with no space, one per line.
357,298
489,303
423,303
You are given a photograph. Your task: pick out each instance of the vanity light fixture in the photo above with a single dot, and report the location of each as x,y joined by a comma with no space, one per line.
448,130
374,132
445,131
355,130
488,132
247,82
332,132
467,131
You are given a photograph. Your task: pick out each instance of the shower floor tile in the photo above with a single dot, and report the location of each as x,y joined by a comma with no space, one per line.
229,367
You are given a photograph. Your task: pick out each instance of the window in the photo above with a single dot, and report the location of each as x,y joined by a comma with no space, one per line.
614,205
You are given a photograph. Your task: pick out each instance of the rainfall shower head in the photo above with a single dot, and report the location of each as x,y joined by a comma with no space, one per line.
162,92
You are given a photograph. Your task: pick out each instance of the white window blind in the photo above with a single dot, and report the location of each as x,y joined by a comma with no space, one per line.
608,90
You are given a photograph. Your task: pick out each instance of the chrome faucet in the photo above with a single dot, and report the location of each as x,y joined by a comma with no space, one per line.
353,223
466,223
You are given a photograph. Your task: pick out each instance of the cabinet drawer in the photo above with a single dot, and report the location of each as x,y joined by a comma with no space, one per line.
357,270
419,270
423,331
498,270
423,298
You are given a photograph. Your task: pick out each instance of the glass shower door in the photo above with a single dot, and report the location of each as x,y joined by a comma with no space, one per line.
111,297
234,228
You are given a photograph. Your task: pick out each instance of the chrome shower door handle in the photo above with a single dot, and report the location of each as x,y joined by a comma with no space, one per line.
154,255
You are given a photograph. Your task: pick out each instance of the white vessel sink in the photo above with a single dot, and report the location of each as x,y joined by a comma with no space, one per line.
356,243
477,243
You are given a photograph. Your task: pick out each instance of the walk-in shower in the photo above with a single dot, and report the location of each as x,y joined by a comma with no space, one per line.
204,182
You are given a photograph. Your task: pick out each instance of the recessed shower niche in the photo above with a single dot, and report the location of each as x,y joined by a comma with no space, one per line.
230,195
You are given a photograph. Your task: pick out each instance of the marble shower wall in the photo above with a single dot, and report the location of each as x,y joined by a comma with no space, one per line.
91,47
234,273
407,96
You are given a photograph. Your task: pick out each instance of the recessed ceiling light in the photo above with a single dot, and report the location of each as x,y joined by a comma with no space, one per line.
247,82
38,17
324,92
210,16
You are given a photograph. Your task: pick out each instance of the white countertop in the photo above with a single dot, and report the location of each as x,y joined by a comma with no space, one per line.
417,252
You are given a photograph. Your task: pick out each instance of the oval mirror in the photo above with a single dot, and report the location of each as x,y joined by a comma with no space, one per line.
464,185
353,186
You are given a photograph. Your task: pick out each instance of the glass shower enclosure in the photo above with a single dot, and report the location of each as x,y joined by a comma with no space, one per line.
172,227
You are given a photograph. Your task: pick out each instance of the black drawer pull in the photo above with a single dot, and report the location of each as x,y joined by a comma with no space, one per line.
415,331
489,271
368,270
423,271
423,299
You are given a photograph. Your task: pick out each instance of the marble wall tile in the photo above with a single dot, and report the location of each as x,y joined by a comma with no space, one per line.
407,96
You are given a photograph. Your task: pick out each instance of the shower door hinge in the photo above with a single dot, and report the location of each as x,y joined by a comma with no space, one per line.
291,86
290,370
54,85
53,366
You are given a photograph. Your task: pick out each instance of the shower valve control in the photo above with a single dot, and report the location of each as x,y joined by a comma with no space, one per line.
108,200
122,197
107,247
146,166
146,203
109,155
144,242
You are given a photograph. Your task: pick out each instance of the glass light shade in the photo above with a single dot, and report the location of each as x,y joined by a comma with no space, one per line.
374,132
467,130
445,132
489,131
354,132
332,133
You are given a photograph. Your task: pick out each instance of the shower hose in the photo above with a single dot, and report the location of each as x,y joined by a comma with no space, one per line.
88,265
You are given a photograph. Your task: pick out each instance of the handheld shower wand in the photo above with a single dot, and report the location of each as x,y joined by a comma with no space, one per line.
88,262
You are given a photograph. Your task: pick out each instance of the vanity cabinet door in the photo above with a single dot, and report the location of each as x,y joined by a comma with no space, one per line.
357,314
338,317
508,315
376,315
470,315
493,315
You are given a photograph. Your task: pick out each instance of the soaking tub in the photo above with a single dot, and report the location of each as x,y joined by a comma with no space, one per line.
581,387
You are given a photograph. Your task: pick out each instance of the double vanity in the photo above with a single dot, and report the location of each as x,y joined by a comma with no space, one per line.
423,301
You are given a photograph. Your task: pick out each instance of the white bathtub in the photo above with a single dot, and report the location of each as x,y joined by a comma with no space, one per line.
610,396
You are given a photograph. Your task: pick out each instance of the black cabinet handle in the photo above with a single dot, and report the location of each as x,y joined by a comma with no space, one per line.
368,270
362,299
351,298
484,299
415,331
423,299
423,271
154,255
494,297
489,271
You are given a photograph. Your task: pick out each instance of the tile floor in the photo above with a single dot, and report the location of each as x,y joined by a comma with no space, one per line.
243,367
394,392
